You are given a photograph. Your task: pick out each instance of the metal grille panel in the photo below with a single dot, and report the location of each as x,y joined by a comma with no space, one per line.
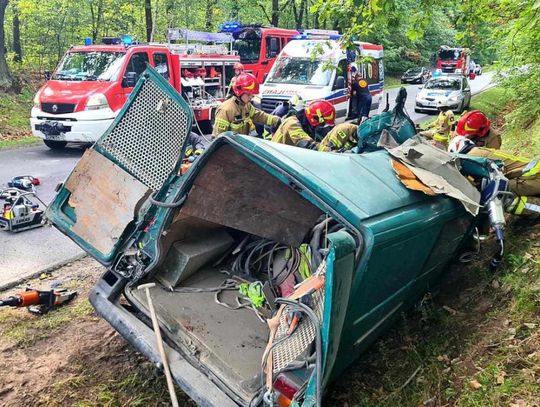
291,348
149,137
58,108
269,104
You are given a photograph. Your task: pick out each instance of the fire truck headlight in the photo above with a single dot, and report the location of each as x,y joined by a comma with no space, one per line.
97,101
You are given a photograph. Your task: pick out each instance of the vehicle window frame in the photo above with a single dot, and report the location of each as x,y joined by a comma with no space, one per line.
166,74
129,63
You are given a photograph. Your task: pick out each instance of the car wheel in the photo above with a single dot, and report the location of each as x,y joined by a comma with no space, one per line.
55,145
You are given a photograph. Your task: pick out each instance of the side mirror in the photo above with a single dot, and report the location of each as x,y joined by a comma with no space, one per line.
47,75
340,83
130,80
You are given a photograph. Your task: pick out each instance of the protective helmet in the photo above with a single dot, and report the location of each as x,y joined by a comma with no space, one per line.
320,112
473,124
460,144
246,83
239,66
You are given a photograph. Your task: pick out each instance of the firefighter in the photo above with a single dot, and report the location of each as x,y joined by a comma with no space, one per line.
238,70
523,174
341,138
440,129
360,89
237,113
299,129
476,126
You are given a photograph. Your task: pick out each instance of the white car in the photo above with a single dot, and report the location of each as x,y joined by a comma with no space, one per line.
478,69
452,90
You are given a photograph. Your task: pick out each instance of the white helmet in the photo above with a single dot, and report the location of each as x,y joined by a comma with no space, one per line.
460,144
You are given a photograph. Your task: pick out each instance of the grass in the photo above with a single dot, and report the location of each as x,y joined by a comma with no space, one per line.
391,82
15,119
24,329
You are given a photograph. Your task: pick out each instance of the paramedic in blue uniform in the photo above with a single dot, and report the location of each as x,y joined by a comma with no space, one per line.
360,89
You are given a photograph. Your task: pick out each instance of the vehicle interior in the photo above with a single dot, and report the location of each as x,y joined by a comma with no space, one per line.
240,224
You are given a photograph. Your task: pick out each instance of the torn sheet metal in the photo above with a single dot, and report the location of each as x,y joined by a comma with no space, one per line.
438,170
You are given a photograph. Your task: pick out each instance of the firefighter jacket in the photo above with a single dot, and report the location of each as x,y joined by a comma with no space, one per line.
440,129
491,140
523,173
295,131
341,138
234,115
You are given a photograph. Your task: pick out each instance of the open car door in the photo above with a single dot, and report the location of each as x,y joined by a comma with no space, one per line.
103,199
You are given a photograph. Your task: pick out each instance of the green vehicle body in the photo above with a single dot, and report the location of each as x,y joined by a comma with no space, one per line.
397,243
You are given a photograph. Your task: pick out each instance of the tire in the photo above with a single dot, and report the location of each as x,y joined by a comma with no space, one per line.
461,108
55,145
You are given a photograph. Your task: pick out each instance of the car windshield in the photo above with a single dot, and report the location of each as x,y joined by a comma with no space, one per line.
89,66
248,49
444,83
414,71
452,54
301,71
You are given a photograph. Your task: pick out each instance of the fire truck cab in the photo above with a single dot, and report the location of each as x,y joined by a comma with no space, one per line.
317,66
91,83
258,46
453,60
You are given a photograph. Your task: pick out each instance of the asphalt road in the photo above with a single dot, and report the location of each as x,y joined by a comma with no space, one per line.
25,253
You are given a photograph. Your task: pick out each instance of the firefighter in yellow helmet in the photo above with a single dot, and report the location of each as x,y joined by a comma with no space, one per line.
342,137
523,174
299,129
237,113
440,130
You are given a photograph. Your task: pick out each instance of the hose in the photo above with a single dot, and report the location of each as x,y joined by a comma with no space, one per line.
153,201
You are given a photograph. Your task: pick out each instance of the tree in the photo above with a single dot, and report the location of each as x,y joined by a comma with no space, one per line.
6,82
96,12
16,36
148,19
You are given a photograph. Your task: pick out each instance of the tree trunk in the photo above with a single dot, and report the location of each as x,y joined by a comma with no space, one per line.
148,17
275,13
235,10
6,82
209,16
97,16
16,36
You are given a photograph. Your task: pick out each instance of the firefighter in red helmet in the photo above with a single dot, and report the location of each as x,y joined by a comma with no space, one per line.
477,127
237,114
299,129
238,70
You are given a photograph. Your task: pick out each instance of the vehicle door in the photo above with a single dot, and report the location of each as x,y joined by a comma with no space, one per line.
466,89
135,66
105,199
340,92
162,64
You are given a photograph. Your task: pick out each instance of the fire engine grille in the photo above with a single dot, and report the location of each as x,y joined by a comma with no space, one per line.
289,349
149,136
58,108
268,105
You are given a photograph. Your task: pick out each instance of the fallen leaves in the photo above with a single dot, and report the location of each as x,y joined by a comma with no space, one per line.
475,385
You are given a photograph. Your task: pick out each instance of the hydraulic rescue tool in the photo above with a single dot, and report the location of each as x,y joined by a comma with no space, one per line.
39,302
21,210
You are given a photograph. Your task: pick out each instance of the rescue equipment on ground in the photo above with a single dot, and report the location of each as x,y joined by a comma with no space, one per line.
37,301
21,210
26,182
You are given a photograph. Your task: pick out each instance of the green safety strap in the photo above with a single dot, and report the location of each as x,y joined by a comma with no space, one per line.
254,292
305,259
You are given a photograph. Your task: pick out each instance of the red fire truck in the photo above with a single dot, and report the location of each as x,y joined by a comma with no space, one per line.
453,60
258,46
92,82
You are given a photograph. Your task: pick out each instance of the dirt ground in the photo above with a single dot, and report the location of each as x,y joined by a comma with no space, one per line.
472,341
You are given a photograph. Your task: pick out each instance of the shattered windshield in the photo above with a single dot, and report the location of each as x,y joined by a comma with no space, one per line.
301,71
452,54
89,66
444,83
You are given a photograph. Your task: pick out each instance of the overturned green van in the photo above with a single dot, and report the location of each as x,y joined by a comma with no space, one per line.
275,267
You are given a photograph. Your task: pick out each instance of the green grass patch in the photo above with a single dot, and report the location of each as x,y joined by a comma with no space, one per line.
391,82
24,329
492,101
15,119
27,140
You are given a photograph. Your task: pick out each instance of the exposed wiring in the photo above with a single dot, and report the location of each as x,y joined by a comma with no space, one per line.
153,201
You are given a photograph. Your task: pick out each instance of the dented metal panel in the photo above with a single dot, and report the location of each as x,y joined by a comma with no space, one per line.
104,199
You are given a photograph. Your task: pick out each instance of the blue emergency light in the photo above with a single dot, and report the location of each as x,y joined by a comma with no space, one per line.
126,40
88,41
230,26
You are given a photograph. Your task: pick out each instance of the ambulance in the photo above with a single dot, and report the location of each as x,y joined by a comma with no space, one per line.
318,66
